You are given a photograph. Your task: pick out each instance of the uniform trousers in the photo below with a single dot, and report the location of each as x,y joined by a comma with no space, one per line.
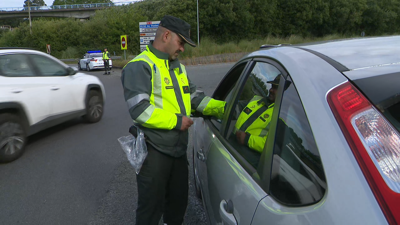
162,189
106,65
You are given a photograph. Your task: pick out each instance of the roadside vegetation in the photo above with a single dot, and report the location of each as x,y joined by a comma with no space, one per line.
226,26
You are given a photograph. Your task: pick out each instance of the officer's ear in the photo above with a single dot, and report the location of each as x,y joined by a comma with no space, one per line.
166,36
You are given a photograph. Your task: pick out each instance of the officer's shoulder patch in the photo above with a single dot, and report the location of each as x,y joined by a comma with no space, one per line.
247,110
186,89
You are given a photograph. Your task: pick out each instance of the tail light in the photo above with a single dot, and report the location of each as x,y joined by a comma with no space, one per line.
93,60
374,143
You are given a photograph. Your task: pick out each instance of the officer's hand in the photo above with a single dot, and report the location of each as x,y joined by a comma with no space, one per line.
186,123
240,136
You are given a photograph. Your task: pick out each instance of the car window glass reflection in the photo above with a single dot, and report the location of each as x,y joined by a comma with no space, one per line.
15,66
48,67
249,126
297,176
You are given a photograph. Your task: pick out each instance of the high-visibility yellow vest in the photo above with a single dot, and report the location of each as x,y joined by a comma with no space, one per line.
254,120
105,55
163,98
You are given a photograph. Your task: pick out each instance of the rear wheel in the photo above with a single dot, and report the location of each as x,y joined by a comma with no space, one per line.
87,67
94,107
12,137
79,66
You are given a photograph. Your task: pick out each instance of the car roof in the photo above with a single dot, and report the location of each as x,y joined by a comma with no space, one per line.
19,50
359,53
353,54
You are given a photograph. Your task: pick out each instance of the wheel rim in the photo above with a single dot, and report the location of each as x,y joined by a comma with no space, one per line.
95,107
12,138
87,67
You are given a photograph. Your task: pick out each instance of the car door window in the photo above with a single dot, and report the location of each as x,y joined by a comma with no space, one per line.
15,65
226,90
297,176
48,67
252,113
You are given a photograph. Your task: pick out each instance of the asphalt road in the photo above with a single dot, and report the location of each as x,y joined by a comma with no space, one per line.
76,173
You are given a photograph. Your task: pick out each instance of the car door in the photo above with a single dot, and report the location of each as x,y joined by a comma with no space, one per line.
62,85
23,85
227,167
83,62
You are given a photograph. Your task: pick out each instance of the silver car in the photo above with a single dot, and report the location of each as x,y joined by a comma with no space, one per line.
310,135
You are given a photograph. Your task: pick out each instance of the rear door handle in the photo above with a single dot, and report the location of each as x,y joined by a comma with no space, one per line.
16,90
200,155
54,88
226,212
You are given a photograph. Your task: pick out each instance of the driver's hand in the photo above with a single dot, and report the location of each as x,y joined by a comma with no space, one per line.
240,136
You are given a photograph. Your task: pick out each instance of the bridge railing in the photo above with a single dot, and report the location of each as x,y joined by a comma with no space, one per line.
76,6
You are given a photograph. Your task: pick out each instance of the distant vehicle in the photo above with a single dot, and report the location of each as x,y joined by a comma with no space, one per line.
310,135
92,60
38,91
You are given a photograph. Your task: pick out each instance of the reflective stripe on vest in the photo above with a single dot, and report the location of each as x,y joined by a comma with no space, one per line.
255,122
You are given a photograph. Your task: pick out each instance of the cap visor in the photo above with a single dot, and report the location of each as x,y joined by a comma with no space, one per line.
188,40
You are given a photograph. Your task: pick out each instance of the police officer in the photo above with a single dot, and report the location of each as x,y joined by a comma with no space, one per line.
106,60
252,126
160,98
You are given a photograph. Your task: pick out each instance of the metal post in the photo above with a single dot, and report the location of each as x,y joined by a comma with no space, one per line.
198,35
29,12
125,54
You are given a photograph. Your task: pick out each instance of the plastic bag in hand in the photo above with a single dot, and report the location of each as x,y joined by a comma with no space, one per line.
135,149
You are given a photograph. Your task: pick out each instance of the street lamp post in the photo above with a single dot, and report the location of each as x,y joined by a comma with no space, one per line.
198,35
29,12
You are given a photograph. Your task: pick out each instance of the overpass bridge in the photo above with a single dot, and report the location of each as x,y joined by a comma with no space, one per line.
79,11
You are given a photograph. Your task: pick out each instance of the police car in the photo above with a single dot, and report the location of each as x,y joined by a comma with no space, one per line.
92,60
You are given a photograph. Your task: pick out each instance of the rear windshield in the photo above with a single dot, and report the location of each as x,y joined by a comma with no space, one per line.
384,92
96,55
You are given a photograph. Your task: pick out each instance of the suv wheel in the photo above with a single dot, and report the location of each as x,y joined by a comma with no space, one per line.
12,137
94,107
87,67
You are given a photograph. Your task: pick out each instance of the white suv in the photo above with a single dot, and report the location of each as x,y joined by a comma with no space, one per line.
38,91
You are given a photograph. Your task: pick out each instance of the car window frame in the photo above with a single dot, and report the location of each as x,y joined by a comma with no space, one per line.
262,179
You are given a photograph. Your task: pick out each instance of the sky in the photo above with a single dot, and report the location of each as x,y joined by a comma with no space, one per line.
20,3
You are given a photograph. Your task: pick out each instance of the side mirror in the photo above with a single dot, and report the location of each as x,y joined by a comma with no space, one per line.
72,71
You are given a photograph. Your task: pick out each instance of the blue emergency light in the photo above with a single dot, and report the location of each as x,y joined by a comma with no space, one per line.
95,51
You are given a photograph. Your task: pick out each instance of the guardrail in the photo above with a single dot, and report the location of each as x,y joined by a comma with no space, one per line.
76,6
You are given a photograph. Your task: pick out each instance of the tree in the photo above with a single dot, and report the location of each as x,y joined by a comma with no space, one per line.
34,3
74,2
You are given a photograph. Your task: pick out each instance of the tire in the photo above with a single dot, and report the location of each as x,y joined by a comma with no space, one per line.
79,66
94,107
87,67
12,137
